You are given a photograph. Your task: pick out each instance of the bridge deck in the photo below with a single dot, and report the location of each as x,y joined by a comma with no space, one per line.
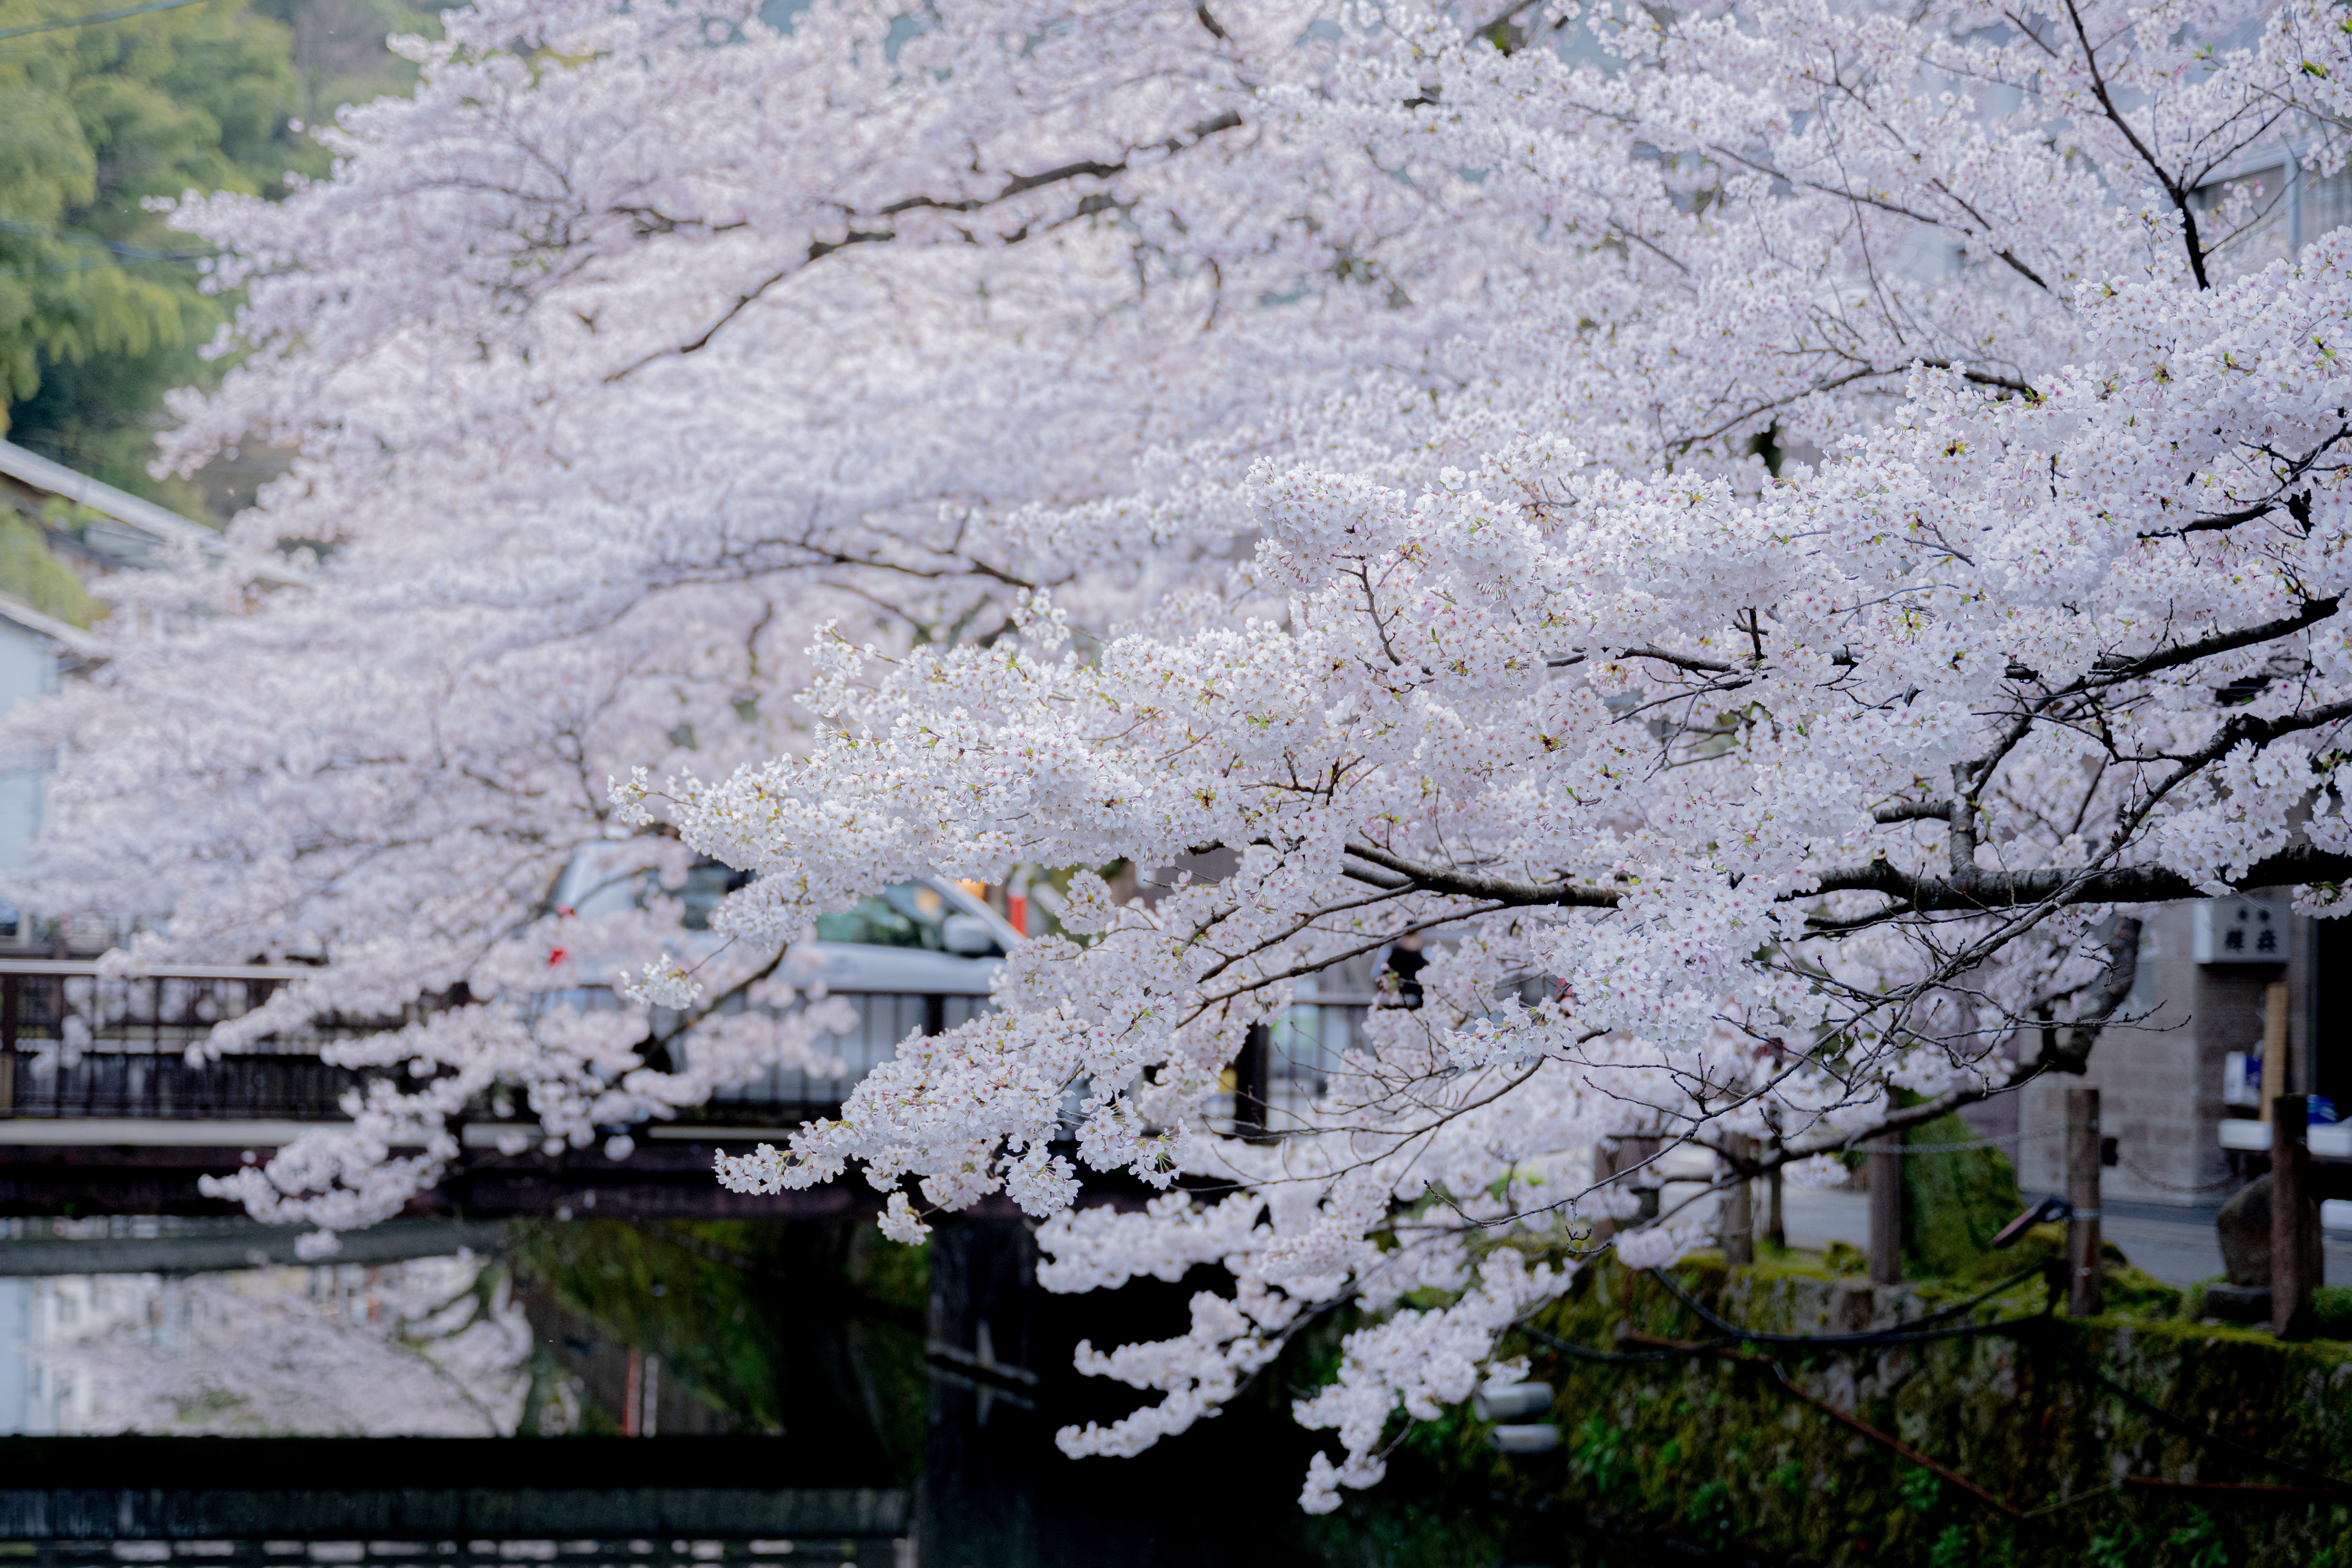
101,1112
460,1489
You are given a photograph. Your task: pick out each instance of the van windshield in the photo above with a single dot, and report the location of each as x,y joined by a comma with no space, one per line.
907,915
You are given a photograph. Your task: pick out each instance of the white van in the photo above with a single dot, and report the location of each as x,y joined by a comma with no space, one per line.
916,957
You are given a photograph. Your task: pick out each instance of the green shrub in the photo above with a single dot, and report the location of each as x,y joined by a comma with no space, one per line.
2198,1542
1953,1549
1954,1201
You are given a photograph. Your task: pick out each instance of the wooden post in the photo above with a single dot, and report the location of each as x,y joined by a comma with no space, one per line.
1775,1232
2084,1294
1886,1210
1636,1154
2275,1080
1736,1214
2290,1270
1604,1166
1252,1081
11,991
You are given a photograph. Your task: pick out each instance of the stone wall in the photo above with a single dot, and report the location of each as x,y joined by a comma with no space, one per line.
1715,1450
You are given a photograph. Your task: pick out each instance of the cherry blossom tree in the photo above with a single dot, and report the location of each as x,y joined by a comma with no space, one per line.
1904,540
639,342
1765,532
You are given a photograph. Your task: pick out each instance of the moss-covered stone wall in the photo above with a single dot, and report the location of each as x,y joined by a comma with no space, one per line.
1954,1202
1716,1452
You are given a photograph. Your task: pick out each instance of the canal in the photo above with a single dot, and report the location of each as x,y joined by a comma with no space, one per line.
610,1392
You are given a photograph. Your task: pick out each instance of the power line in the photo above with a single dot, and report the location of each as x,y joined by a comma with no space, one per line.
29,269
1916,1329
129,252
95,18
1973,1144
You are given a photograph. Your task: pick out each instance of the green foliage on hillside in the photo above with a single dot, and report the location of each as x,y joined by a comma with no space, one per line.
101,308
31,573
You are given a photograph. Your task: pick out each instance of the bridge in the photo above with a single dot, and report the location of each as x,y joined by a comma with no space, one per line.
102,1113
451,1499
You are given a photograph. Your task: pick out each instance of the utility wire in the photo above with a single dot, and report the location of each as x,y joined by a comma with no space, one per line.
30,269
95,18
93,242
1911,1332
1970,1146
2190,1430
1618,1358
1729,1334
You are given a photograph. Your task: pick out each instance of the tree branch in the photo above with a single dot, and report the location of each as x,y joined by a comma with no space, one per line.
1985,891
1974,893
1015,186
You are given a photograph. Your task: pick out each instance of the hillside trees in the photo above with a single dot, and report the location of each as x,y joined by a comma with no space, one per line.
101,311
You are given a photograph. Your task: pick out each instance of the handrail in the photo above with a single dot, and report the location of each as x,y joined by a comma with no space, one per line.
84,966
93,967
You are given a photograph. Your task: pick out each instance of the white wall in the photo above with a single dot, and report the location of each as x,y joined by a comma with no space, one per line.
15,1367
28,667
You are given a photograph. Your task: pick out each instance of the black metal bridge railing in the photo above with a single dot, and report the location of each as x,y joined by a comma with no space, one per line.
76,1044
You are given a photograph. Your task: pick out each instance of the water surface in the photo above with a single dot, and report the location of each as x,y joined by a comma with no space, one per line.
607,1392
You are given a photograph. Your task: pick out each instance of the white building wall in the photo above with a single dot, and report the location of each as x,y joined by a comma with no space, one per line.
15,1365
28,667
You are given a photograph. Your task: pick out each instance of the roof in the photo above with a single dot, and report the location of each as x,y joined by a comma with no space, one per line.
63,633
142,517
120,505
